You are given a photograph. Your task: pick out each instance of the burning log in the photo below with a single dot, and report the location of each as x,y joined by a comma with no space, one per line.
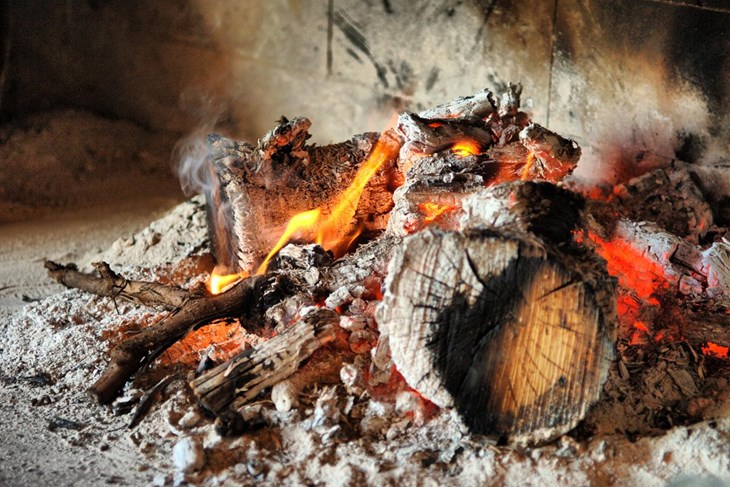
508,320
474,144
243,377
516,336
256,190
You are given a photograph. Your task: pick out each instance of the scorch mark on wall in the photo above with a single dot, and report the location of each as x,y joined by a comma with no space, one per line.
358,40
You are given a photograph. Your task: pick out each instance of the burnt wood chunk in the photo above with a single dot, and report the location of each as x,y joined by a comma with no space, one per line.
668,197
480,105
514,335
246,375
255,190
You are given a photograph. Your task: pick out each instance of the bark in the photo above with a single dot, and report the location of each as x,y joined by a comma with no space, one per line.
544,209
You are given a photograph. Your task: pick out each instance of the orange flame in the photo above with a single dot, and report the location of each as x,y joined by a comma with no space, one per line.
299,224
218,282
333,232
528,166
466,147
431,211
715,350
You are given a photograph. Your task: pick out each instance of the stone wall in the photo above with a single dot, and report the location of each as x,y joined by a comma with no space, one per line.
626,78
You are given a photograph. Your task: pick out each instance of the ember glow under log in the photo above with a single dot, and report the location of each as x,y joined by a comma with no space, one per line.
488,274
513,324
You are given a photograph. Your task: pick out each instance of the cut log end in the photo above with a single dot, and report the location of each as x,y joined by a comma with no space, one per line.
516,338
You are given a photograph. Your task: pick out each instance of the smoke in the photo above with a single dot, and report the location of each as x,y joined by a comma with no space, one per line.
190,159
632,116
190,154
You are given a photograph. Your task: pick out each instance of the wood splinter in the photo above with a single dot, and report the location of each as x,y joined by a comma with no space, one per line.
243,377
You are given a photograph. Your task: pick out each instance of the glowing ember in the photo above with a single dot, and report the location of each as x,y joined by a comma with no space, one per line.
715,350
217,282
466,148
640,333
431,211
632,268
641,326
333,232
528,165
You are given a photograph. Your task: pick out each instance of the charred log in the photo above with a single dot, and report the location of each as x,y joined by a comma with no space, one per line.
514,335
257,189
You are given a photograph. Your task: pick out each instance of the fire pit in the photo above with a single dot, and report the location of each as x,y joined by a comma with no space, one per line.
500,289
435,282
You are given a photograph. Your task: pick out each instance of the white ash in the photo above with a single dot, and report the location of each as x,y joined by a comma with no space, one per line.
182,232
352,378
358,440
340,297
716,266
188,455
353,323
285,396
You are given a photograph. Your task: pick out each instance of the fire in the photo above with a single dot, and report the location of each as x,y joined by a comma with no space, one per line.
431,211
632,268
715,350
218,282
331,231
528,165
466,148
299,224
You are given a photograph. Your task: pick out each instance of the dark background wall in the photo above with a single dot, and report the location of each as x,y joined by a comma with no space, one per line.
634,81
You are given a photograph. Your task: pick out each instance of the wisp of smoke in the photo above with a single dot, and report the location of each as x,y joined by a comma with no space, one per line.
190,158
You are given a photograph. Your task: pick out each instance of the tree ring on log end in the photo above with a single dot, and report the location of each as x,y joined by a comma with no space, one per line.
515,336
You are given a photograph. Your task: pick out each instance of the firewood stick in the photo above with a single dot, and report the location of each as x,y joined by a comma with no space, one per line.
189,311
143,347
112,285
514,334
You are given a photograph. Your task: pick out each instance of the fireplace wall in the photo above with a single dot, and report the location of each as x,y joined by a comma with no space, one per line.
634,81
